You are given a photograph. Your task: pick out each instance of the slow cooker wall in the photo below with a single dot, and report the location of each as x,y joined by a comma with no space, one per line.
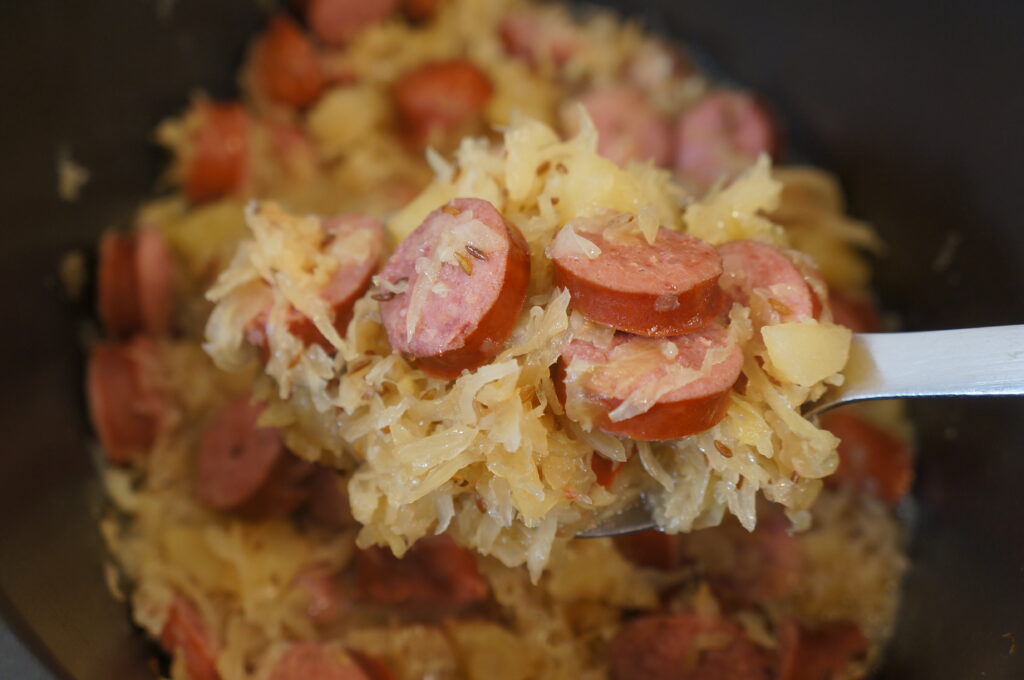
916,105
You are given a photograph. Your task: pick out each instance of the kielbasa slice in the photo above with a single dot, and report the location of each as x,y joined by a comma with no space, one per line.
650,389
762,277
684,647
337,22
539,35
441,101
870,459
285,64
123,406
185,633
720,136
436,576
652,549
821,653
462,277
245,468
154,265
215,159
628,127
316,661
117,285
655,289
856,312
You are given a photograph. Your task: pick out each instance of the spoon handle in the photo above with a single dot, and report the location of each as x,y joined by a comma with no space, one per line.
965,362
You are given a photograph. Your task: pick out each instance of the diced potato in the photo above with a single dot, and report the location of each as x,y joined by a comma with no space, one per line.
806,352
345,116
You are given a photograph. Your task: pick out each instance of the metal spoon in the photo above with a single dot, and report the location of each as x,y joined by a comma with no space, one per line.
970,362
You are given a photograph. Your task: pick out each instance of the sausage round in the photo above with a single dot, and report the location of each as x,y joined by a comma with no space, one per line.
660,289
652,549
123,408
684,647
539,37
688,397
722,135
336,22
628,127
154,267
870,459
442,100
215,160
856,312
117,285
465,273
185,633
285,64
316,661
436,576
245,468
763,278
824,653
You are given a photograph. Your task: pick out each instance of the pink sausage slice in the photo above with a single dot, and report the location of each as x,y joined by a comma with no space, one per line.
441,101
628,127
154,266
538,37
337,22
763,278
245,468
823,653
688,378
684,647
185,633
463,276
660,289
316,661
117,286
124,409
722,135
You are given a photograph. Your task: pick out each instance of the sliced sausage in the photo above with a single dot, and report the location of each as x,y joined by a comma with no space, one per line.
436,576
762,277
285,64
605,470
822,653
856,312
245,468
117,285
374,668
337,22
652,549
684,647
421,10
316,661
328,499
655,289
357,243
870,459
441,101
540,36
722,135
465,272
215,160
123,407
184,633
154,265
650,389
628,127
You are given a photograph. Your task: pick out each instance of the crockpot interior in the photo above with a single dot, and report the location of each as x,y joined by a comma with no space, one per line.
917,107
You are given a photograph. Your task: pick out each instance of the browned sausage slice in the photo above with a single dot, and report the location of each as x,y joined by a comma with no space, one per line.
215,159
655,289
245,468
651,389
155,273
765,279
684,647
652,549
441,101
316,661
421,10
117,285
285,64
628,127
436,576
124,409
870,459
463,276
185,633
823,653
722,135
337,22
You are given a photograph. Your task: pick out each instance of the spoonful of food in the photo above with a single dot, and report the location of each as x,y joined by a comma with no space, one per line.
969,362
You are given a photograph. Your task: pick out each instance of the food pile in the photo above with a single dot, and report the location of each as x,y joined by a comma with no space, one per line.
453,281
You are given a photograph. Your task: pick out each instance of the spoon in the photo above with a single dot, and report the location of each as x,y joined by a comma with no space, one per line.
969,362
